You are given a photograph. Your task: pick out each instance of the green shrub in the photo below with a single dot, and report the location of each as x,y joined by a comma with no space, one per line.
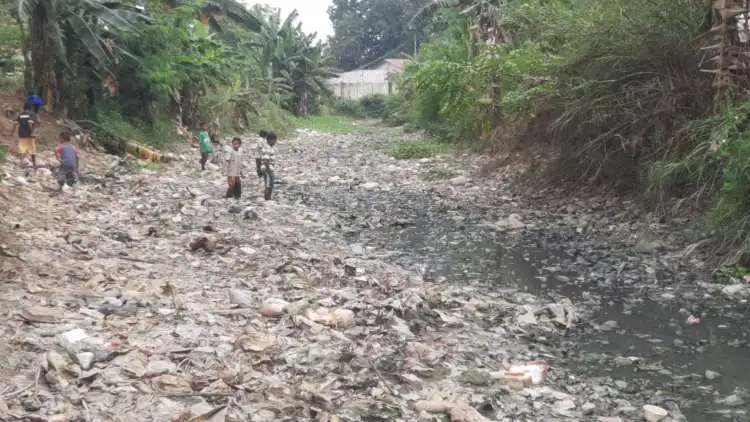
395,112
436,174
331,124
272,117
373,106
112,131
370,107
348,108
730,213
406,150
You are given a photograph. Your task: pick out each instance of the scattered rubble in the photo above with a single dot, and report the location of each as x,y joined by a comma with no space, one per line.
144,295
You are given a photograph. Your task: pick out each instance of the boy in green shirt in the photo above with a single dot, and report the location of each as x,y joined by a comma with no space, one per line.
204,142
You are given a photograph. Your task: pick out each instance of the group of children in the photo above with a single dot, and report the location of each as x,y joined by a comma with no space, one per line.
264,161
67,153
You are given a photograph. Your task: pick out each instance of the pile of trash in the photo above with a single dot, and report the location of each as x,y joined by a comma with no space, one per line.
144,295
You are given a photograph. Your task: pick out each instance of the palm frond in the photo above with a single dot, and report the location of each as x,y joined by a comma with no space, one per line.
235,11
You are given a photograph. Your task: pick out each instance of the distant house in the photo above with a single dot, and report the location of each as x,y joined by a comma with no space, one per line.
361,83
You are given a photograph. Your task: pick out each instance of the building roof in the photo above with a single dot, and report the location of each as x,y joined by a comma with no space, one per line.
399,64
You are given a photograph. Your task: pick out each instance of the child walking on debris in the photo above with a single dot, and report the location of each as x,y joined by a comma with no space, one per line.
26,141
69,156
266,159
234,170
263,134
204,142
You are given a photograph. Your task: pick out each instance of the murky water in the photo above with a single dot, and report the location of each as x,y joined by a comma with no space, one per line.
458,247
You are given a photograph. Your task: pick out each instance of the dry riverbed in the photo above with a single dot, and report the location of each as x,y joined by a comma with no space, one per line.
144,295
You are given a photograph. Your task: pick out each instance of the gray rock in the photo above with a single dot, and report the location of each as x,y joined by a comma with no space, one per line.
734,289
712,375
588,408
565,405
620,384
460,180
85,360
159,367
240,298
732,401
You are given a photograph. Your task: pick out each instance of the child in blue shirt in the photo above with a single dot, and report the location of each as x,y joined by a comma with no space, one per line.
68,155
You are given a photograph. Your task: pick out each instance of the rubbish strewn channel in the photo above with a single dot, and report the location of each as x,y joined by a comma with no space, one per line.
363,293
635,337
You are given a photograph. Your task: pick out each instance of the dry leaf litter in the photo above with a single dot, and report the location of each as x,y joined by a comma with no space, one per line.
143,295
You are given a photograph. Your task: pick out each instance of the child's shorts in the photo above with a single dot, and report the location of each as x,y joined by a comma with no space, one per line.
66,175
27,145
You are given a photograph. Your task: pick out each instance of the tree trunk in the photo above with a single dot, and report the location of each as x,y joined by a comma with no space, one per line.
301,106
189,103
43,77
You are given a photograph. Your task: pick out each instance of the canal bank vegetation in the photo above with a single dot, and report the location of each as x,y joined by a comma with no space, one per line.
612,93
154,73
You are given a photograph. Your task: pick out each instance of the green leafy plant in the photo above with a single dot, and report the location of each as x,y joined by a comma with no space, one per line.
331,124
407,150
348,108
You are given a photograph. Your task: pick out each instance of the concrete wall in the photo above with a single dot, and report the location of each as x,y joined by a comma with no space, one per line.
358,84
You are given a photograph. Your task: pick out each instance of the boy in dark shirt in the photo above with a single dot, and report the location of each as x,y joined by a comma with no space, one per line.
26,141
68,155
261,139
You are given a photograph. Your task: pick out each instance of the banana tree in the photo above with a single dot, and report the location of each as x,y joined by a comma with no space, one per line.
58,27
309,75
209,11
296,59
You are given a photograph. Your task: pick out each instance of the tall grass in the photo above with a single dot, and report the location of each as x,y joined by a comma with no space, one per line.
628,89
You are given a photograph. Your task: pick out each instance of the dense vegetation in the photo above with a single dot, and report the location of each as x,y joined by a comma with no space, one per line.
137,70
613,91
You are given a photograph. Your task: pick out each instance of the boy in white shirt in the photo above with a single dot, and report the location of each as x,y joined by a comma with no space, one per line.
265,161
234,170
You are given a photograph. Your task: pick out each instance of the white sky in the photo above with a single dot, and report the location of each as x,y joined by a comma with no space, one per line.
312,13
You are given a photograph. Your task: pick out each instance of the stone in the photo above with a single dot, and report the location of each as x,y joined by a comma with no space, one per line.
732,400
240,298
733,289
654,413
85,360
565,405
460,180
711,375
159,367
72,340
588,408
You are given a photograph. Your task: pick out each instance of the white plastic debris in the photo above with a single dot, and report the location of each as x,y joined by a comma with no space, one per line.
654,413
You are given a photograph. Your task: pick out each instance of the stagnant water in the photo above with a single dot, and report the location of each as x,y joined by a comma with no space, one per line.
458,247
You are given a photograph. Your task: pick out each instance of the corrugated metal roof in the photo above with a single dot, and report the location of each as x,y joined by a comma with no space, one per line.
362,76
400,64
